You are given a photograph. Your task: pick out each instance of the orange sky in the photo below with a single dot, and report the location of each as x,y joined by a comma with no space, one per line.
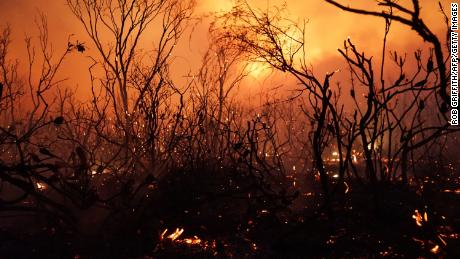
327,28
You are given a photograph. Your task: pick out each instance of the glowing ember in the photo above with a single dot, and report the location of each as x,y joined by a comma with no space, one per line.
195,241
355,159
419,219
442,240
317,177
335,157
457,191
177,233
163,234
41,186
435,249
347,188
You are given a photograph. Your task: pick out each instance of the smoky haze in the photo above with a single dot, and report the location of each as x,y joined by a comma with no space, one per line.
326,30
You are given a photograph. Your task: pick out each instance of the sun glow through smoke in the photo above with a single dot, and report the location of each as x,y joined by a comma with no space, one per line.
258,70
